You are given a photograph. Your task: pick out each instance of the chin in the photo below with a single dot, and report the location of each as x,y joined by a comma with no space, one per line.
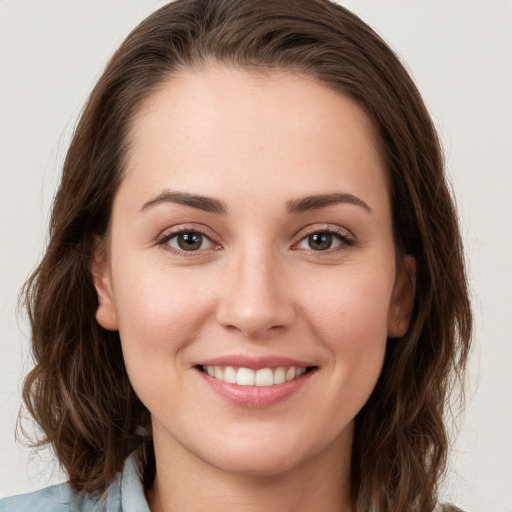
263,457
259,464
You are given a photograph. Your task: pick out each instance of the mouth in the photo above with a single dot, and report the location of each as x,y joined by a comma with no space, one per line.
261,377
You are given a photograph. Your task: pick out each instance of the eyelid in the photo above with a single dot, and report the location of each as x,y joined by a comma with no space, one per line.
342,233
170,233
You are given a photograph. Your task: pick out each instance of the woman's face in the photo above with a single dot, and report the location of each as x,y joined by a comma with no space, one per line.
251,238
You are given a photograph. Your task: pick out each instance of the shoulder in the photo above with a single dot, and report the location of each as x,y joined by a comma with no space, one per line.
125,494
57,498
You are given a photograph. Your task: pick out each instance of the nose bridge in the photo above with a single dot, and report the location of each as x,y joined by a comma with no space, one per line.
255,300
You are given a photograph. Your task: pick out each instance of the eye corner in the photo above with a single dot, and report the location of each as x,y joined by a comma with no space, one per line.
328,239
194,241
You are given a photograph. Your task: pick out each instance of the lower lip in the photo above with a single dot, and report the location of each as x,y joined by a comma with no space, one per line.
256,397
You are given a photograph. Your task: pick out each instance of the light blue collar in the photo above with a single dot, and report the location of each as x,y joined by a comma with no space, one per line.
126,493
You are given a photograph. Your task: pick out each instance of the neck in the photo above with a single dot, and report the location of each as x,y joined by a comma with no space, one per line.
185,482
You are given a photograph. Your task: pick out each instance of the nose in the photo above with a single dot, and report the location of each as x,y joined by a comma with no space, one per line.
256,299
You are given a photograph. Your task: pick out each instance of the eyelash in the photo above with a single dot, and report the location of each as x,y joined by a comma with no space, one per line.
345,240
164,240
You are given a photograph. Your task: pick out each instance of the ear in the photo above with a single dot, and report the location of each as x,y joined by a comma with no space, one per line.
402,299
106,314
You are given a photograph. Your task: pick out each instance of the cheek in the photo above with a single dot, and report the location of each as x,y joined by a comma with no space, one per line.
160,311
350,307
160,314
349,317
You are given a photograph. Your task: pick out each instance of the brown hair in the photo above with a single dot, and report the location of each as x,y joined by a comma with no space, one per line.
79,391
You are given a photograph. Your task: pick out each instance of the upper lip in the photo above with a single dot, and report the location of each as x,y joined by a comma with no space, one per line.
242,361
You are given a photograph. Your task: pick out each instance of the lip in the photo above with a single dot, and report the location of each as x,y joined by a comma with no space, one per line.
255,397
254,363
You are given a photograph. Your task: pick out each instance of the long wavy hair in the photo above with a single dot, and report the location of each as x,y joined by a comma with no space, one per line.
79,392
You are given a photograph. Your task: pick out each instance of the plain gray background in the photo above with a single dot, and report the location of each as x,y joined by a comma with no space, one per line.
460,54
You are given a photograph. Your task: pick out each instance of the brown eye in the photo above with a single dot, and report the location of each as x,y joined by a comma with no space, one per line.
320,241
189,241
324,241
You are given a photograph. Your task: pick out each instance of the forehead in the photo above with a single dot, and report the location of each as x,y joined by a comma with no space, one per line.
220,128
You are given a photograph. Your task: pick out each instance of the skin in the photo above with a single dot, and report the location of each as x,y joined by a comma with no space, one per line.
255,286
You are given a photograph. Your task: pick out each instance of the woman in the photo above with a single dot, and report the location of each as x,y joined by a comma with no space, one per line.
254,294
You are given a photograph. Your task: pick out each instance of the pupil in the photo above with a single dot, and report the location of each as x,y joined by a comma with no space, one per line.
320,241
190,241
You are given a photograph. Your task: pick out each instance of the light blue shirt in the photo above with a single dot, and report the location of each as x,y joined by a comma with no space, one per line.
125,494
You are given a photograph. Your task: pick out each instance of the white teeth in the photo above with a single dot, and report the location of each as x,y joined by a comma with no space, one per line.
229,375
247,377
290,374
264,377
279,376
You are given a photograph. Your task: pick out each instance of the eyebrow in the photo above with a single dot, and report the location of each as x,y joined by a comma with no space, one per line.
212,205
319,201
205,203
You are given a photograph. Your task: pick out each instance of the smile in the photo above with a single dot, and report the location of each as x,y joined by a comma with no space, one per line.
257,387
263,377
